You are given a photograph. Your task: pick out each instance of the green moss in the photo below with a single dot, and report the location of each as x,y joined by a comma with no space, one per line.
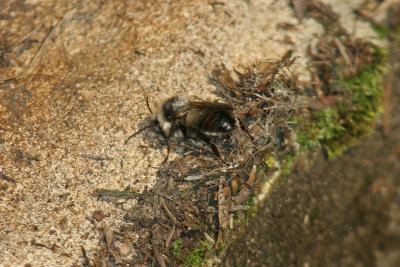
177,249
197,256
382,31
250,202
350,118
287,163
190,254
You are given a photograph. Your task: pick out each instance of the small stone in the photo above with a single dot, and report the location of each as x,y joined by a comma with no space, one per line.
98,215
124,250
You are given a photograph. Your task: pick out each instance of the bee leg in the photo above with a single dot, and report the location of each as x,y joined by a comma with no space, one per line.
213,147
244,129
170,135
168,150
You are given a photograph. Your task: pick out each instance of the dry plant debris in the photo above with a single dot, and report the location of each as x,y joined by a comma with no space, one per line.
347,81
198,196
336,58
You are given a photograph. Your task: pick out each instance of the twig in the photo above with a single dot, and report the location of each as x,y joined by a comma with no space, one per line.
222,206
29,34
157,254
169,213
163,195
86,261
343,52
48,36
115,193
6,178
41,45
232,98
171,234
209,238
98,158
239,207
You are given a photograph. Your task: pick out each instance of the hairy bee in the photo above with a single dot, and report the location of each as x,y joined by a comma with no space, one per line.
178,115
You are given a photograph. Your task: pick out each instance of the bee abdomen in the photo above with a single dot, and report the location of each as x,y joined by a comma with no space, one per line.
216,122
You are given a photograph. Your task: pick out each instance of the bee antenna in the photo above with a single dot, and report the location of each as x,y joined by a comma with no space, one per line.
147,102
129,138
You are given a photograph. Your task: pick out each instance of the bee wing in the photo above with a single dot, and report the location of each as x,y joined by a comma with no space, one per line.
210,107
203,107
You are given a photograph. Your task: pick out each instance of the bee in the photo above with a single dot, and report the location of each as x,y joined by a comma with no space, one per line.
197,120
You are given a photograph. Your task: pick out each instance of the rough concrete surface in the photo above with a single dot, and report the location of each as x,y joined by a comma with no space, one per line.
341,212
83,70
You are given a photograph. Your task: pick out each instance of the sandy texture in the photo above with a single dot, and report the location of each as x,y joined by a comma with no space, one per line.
64,120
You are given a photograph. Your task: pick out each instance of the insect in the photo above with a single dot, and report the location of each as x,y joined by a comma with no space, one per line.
178,116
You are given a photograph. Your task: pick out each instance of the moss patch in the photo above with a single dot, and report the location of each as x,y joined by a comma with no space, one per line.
356,103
